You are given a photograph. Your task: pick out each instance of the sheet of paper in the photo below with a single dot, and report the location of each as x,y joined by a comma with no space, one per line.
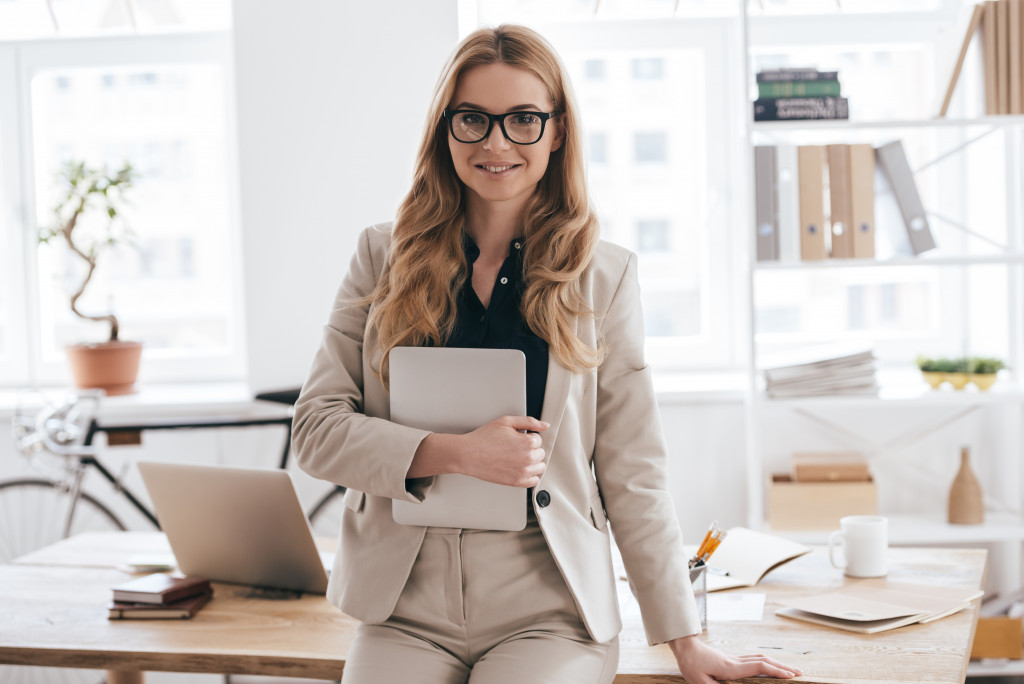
735,607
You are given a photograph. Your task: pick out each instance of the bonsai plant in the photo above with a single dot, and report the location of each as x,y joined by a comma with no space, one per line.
112,365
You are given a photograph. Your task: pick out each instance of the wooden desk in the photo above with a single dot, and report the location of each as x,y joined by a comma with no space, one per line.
53,612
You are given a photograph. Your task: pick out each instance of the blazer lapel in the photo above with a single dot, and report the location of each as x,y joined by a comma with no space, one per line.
556,391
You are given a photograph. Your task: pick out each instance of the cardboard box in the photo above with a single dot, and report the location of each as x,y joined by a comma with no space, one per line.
817,505
998,637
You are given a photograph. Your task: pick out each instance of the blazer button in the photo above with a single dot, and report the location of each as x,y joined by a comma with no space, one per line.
543,498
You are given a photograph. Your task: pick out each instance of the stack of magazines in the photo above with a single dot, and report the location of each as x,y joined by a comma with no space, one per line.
843,374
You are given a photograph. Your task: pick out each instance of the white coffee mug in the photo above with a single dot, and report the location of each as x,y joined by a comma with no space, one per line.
864,540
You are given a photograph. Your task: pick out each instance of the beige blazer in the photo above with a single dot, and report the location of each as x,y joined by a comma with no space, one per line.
605,451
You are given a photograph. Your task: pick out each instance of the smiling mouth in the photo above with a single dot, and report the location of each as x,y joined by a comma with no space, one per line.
497,169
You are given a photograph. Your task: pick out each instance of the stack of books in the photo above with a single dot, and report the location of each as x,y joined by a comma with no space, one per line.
837,375
159,596
799,94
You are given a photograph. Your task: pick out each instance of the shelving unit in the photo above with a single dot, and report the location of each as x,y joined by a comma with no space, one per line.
922,412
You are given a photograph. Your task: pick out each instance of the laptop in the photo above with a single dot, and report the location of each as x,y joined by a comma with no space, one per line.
456,391
237,525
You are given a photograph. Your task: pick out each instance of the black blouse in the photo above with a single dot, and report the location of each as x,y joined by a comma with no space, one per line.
501,325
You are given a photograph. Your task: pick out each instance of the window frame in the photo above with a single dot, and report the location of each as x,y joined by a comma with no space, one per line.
25,58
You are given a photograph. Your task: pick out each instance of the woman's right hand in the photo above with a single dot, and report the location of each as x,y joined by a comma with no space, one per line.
502,453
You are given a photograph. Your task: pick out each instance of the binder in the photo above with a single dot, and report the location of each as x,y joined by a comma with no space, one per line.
1003,55
840,214
1016,15
862,200
892,160
988,42
765,214
811,166
972,27
787,202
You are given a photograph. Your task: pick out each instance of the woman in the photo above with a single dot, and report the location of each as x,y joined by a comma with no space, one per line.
496,245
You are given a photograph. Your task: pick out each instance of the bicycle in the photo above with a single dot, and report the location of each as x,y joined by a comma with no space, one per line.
38,511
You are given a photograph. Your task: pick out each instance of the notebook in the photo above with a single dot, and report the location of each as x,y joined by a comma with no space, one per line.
746,556
876,605
456,391
236,524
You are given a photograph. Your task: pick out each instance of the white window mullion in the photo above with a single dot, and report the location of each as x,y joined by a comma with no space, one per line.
14,357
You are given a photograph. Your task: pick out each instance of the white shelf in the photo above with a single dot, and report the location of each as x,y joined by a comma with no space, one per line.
995,668
818,264
923,530
846,124
911,396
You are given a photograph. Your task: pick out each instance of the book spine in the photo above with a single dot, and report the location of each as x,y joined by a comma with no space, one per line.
777,89
775,75
796,108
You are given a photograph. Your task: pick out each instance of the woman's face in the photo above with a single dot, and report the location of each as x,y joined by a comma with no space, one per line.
495,169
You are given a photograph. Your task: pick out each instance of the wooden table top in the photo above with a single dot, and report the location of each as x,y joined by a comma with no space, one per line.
53,612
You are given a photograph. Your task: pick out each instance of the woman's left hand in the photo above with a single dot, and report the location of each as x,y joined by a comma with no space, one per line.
702,664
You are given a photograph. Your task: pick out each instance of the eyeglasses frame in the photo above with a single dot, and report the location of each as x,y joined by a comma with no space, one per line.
449,114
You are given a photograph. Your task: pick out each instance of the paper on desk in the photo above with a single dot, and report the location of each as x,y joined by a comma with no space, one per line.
735,607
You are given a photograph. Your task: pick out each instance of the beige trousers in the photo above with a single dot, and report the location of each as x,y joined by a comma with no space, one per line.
483,607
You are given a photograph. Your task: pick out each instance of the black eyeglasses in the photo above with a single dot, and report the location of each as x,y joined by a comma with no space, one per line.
521,128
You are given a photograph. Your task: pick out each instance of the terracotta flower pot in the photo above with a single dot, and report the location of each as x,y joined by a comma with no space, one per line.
110,366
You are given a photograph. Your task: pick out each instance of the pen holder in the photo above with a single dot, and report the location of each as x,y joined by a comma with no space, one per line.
699,580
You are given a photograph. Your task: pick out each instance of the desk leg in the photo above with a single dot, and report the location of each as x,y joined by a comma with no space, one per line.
125,677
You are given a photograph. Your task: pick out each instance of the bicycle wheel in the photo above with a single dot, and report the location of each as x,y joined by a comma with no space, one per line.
32,516
325,517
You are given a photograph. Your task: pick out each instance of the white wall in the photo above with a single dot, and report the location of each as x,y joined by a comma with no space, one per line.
330,111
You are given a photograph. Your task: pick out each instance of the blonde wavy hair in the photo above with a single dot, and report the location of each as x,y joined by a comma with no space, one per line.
415,298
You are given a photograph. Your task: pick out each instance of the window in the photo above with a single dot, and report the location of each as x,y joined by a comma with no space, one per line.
163,105
653,236
650,147
648,69
593,69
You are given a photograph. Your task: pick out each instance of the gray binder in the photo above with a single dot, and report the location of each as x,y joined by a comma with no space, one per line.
766,212
892,160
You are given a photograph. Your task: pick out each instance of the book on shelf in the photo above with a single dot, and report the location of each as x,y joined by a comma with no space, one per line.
772,90
795,74
159,589
840,201
973,22
811,189
175,610
861,159
1015,15
801,108
787,202
746,556
895,168
876,605
765,211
